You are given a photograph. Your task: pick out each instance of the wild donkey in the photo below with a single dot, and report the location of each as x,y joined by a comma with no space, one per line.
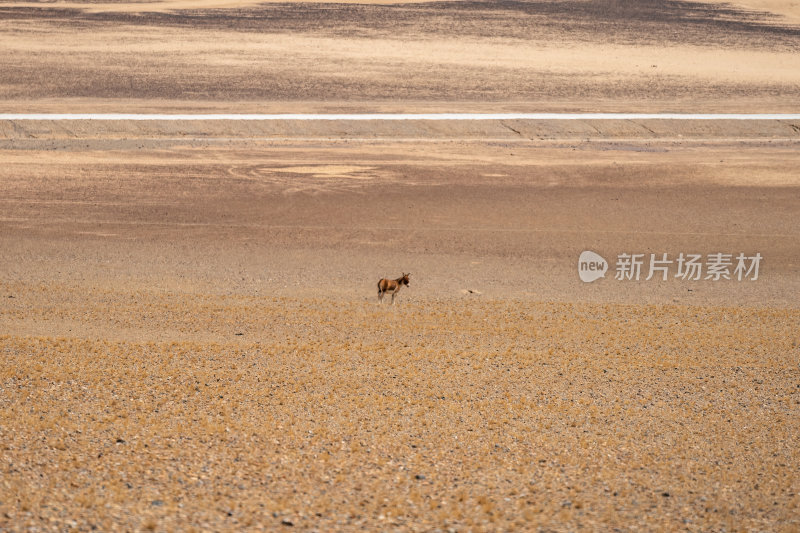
391,286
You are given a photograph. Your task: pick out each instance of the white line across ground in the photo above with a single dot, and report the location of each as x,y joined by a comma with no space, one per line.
405,116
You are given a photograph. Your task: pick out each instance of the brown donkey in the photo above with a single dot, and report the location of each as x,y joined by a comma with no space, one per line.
391,286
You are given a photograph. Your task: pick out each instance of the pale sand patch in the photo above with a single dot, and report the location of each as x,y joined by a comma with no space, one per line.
789,9
754,177
97,233
328,171
370,57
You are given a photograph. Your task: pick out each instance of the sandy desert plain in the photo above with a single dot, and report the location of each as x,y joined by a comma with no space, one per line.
190,337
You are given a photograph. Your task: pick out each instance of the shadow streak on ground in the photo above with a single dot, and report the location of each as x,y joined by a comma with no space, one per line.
641,22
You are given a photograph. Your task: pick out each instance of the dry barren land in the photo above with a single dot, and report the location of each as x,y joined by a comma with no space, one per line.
190,336
606,55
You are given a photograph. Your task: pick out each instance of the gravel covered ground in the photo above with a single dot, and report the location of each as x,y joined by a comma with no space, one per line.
189,331
192,339
326,414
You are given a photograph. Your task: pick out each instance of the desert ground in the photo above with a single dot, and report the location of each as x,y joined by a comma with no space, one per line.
608,55
190,335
